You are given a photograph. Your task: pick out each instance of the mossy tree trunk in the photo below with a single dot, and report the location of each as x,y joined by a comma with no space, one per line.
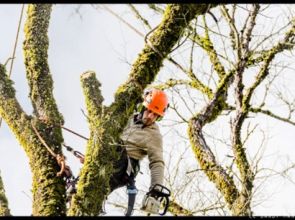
107,122
48,189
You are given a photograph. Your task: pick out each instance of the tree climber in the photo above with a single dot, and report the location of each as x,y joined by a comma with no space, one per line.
141,137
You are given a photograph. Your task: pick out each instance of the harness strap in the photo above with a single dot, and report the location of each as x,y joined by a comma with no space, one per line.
131,171
132,191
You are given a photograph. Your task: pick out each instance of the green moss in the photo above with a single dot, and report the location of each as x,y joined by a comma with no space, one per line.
98,167
209,48
48,191
35,47
95,175
6,89
47,188
177,210
93,98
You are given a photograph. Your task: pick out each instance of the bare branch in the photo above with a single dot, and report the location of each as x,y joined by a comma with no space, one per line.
138,15
234,32
271,114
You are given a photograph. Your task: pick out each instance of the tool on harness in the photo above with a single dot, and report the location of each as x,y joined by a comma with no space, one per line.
131,171
156,198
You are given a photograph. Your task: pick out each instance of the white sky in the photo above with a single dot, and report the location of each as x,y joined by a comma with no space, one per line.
98,42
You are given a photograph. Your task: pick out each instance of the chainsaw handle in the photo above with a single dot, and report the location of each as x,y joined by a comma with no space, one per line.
166,205
161,192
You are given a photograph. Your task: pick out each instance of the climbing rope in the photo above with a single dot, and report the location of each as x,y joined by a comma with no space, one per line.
73,132
16,40
14,49
77,154
60,159
43,141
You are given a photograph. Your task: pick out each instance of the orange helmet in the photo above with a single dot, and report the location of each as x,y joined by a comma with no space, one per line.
156,100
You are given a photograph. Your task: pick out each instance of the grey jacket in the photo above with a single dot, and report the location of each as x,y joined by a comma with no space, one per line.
141,141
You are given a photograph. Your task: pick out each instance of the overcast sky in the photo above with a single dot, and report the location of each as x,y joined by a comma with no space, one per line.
100,42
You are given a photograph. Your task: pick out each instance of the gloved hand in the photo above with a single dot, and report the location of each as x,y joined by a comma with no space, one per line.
158,190
160,195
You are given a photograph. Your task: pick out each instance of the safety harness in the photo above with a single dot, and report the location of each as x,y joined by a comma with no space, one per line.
131,172
153,200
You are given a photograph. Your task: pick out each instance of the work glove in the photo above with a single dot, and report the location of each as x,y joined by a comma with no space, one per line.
158,190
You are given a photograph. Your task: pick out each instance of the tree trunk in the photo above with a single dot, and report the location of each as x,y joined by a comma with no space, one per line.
48,189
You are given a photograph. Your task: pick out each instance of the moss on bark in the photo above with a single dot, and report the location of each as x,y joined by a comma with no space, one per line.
224,183
35,48
48,190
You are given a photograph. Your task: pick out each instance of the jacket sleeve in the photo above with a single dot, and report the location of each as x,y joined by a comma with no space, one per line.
155,156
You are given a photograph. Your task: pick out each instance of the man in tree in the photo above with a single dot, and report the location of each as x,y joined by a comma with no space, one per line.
141,137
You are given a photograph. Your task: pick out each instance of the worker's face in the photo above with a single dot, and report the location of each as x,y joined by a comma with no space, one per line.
149,117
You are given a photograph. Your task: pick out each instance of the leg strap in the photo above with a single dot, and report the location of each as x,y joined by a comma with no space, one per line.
131,171
132,191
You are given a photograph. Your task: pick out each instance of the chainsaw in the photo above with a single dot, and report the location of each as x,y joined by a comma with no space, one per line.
156,200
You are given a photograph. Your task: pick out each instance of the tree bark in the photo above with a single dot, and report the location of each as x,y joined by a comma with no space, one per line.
48,190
